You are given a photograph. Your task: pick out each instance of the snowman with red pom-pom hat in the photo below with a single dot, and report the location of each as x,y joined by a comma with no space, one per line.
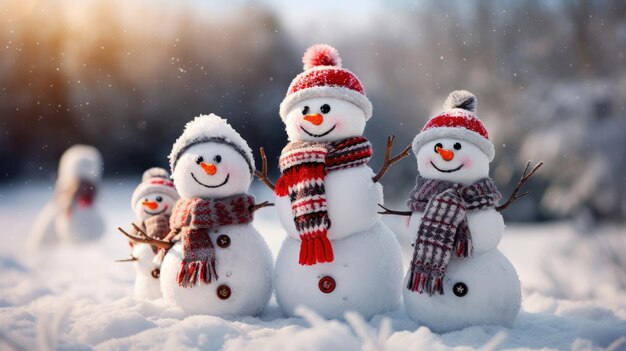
338,255
457,277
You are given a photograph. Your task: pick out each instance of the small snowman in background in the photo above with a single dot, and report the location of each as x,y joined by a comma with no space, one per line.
457,276
338,255
152,202
214,261
72,215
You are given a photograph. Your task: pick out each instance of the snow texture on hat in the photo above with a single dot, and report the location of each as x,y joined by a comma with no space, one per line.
154,180
210,129
323,76
458,121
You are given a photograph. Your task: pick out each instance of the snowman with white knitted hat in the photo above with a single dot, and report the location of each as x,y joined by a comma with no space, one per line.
214,261
338,255
457,276
152,202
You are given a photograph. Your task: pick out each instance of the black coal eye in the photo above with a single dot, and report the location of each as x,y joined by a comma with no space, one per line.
305,110
199,159
159,199
457,146
217,159
438,146
325,108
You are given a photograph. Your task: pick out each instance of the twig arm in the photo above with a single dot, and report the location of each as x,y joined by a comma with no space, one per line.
262,175
256,207
525,177
130,259
389,161
393,212
162,244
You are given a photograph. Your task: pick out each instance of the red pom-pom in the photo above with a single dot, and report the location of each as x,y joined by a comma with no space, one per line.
321,55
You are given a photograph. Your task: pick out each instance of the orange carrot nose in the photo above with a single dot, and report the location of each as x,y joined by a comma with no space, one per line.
209,168
316,119
150,204
446,154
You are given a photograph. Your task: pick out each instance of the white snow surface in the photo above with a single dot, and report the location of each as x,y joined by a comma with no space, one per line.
77,298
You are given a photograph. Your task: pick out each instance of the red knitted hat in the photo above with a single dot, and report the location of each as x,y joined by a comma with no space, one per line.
458,121
154,180
323,76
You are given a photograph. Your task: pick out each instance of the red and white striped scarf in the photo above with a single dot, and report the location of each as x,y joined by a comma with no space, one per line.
191,222
304,166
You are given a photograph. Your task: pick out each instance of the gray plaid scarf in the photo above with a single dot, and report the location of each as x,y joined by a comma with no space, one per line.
444,227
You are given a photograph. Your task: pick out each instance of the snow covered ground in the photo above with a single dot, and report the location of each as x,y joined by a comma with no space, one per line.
77,298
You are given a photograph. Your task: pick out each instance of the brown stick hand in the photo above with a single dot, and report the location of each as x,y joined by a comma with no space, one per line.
131,259
514,196
260,206
145,239
262,175
393,212
390,160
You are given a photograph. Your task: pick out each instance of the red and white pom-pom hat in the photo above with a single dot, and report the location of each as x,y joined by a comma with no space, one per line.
323,76
154,180
458,121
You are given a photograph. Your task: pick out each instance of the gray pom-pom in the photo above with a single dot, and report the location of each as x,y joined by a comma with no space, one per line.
155,172
462,99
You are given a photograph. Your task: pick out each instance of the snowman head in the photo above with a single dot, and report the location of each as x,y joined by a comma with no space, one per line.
155,195
324,119
82,162
325,102
454,145
211,160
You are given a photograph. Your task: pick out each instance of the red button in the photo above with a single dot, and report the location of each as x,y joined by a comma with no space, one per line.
327,284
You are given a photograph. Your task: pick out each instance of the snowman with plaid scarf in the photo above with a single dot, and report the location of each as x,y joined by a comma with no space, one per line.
338,256
457,277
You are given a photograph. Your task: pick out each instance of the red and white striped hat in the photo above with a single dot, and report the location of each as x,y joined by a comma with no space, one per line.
458,121
323,76
154,180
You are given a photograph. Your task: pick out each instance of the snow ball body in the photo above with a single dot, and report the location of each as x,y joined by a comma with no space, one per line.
245,265
146,286
492,295
470,165
367,271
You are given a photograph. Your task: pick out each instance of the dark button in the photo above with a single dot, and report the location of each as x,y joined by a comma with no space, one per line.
156,273
223,291
460,289
327,284
223,241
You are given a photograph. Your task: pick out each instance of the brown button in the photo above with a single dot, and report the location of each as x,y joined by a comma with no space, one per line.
156,273
223,241
223,291
327,284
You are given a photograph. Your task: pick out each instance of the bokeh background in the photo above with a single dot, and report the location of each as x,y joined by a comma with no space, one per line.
125,76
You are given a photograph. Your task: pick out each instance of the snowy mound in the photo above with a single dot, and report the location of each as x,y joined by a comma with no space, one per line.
79,299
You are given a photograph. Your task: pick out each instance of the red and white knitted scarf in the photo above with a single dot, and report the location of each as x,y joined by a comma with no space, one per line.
304,166
444,227
191,222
